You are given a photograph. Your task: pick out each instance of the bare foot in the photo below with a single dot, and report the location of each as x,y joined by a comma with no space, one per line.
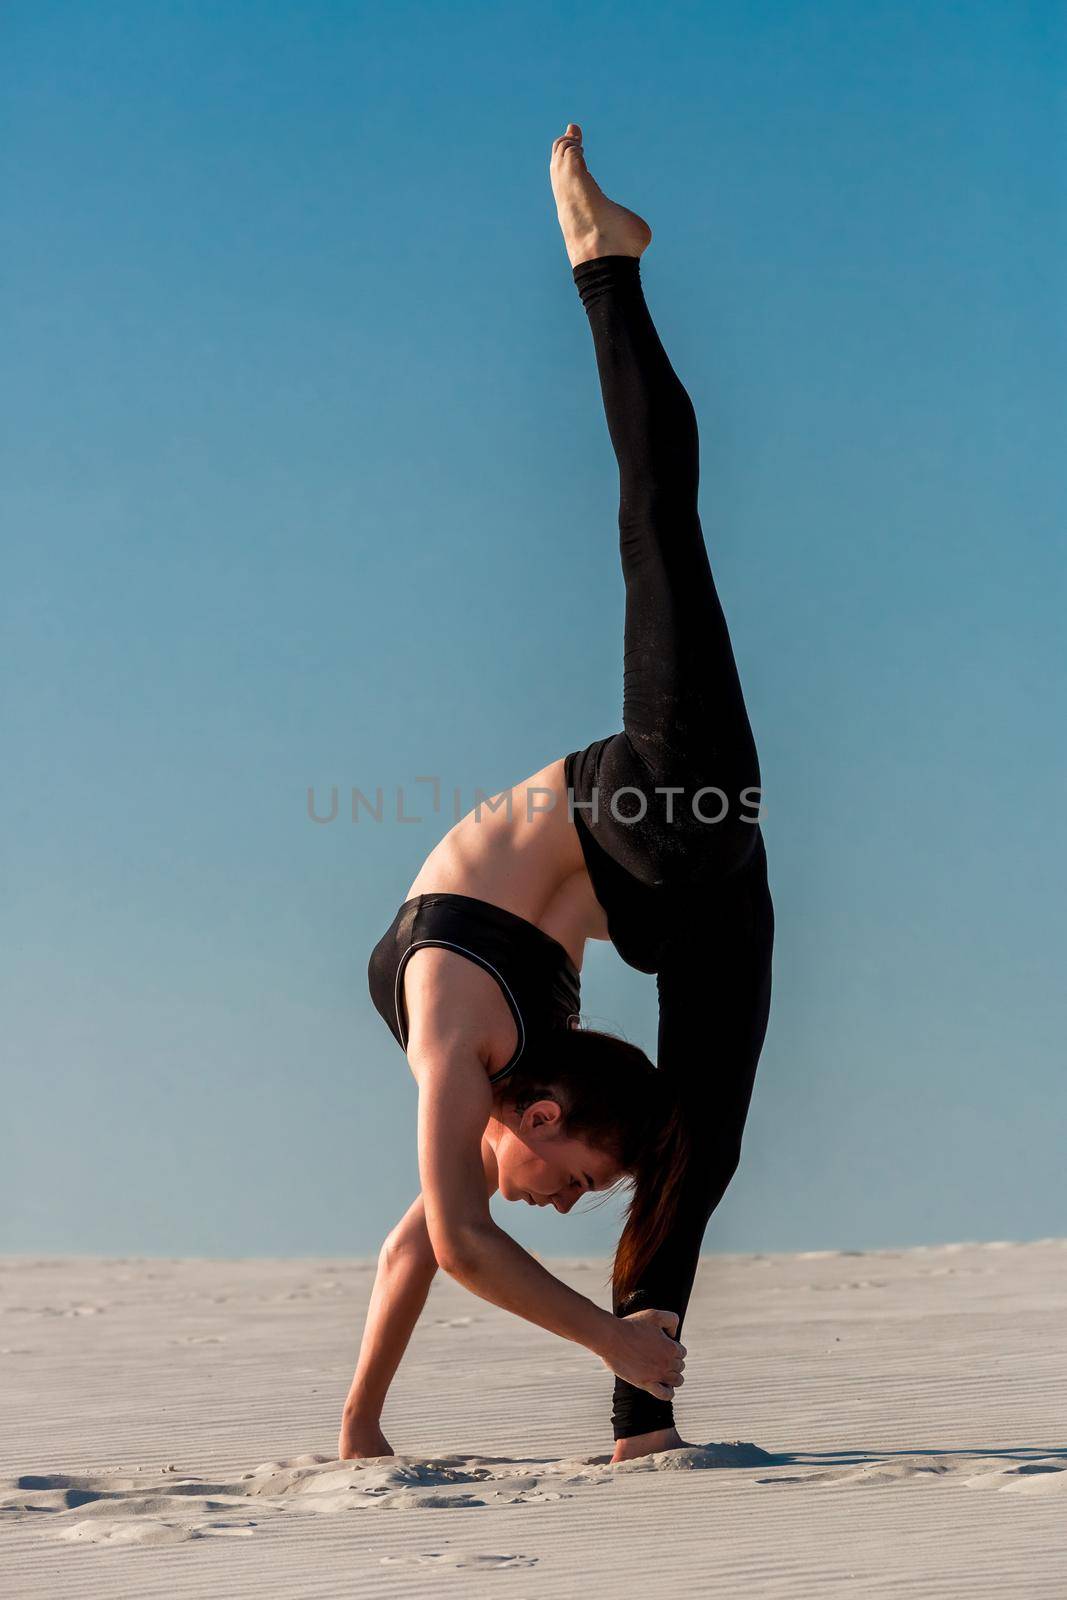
592,224
361,1439
646,1444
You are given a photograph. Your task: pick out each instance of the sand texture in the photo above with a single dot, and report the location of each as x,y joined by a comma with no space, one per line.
885,1423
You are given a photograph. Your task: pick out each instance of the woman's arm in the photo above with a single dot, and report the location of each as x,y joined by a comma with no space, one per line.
406,1268
455,1104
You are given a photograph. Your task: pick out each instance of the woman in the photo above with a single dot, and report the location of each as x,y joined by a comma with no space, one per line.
648,838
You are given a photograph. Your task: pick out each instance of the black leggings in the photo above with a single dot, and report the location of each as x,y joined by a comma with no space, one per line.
664,863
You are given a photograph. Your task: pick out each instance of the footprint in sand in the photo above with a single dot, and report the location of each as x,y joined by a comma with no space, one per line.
852,1283
152,1533
55,1311
1040,1477
869,1472
459,1559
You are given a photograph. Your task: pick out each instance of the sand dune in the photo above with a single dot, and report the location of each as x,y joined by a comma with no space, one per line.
908,1406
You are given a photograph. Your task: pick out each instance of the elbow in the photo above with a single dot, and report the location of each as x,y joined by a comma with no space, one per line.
402,1250
459,1251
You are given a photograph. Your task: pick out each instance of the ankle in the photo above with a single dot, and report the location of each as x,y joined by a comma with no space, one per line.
598,242
582,247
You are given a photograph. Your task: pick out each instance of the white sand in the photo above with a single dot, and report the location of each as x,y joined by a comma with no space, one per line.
167,1428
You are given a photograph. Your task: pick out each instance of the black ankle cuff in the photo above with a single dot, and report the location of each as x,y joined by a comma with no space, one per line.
606,275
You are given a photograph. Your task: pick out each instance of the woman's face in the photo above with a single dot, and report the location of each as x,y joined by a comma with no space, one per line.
537,1162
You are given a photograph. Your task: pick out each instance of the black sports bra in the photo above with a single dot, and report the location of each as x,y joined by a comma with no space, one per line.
536,976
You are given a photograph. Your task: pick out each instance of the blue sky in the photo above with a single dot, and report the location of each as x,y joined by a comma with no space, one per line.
306,483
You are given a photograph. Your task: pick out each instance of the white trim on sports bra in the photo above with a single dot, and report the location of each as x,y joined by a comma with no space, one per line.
479,961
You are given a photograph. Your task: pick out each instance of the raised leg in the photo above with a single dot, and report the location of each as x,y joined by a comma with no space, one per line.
683,709
684,718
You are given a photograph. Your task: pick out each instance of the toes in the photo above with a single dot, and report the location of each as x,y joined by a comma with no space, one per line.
570,140
571,147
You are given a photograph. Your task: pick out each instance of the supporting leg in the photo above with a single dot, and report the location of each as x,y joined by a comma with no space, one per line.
714,998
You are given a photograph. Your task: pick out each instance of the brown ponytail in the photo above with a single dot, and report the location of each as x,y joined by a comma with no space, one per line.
653,1209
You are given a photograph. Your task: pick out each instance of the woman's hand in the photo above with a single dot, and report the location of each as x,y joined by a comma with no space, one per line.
644,1353
361,1436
